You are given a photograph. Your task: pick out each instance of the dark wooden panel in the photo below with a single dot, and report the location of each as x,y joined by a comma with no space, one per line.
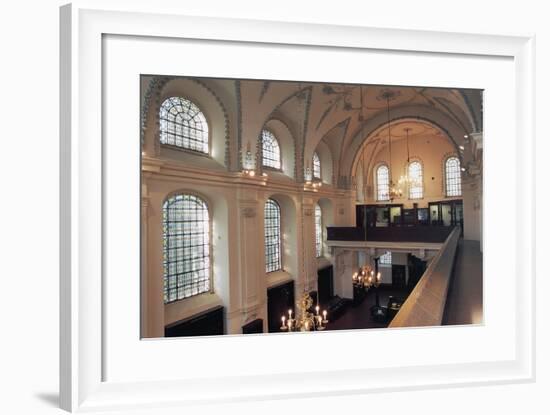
416,270
254,326
325,285
207,323
279,300
435,234
361,216
398,276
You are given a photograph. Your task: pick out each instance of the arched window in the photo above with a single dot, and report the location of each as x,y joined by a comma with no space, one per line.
385,259
182,124
316,166
416,188
382,183
453,183
186,244
272,230
318,231
271,152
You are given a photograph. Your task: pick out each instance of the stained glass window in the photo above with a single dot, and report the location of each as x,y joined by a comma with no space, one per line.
271,152
186,247
382,183
453,181
316,166
318,231
272,230
385,259
182,124
416,188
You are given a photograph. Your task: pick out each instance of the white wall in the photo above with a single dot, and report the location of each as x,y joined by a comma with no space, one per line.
236,204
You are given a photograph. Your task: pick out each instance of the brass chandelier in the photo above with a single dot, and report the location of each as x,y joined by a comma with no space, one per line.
305,320
365,278
406,181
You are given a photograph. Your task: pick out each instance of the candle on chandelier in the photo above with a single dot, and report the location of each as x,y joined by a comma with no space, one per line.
283,320
317,310
289,314
324,314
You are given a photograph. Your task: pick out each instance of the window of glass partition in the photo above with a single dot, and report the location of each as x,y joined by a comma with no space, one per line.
395,215
186,247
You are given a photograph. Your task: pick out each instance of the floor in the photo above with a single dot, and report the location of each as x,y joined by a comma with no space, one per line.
360,317
465,298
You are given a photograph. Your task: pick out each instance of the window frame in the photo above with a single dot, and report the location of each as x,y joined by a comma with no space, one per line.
265,166
170,146
377,182
446,176
384,263
279,244
207,203
320,177
410,188
318,232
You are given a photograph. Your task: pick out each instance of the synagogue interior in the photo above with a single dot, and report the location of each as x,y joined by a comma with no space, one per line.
283,206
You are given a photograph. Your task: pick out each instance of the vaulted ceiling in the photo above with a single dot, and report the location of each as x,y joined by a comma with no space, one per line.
343,116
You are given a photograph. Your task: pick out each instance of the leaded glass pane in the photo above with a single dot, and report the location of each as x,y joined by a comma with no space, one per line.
182,124
416,188
383,183
272,230
186,247
271,152
385,259
453,177
316,166
318,231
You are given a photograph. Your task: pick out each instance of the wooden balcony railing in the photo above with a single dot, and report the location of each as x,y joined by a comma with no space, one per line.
428,234
426,303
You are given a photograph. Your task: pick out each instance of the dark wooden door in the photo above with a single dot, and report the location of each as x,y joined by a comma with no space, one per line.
325,285
280,299
398,276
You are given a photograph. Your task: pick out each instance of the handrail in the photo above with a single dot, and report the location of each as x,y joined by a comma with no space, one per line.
426,303
430,234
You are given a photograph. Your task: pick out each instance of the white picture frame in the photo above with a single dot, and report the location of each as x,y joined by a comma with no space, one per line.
84,27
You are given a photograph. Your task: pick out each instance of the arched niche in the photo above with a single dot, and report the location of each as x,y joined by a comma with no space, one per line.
325,156
286,144
216,117
289,232
328,216
218,209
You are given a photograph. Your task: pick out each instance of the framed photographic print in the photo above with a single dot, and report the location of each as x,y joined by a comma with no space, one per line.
252,193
